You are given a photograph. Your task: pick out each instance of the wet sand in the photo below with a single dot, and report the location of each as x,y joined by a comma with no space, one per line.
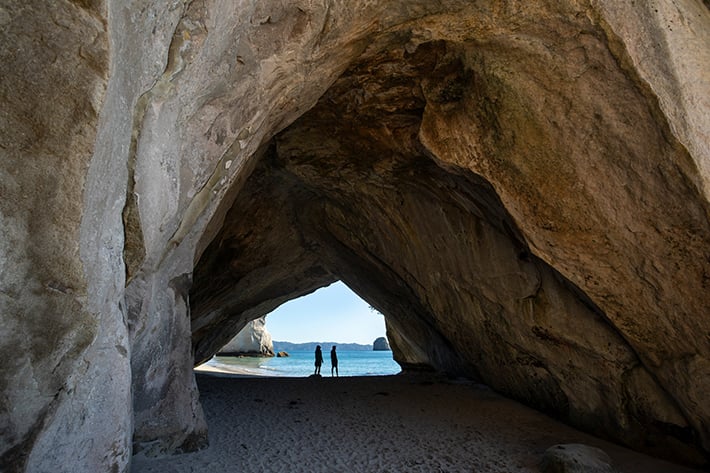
374,424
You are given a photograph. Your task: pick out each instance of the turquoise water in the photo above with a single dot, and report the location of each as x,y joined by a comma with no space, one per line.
301,363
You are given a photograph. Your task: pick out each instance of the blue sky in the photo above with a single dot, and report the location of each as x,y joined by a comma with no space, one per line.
331,314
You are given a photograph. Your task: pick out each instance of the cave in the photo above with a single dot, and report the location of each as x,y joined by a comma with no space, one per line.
521,190
358,189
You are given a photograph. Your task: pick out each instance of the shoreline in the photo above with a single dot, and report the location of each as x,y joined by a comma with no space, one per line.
208,370
300,364
406,422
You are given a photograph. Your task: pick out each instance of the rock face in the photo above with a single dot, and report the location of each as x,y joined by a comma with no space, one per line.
521,188
252,340
381,344
65,379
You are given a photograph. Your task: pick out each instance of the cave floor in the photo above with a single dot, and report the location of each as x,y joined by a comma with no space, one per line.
374,424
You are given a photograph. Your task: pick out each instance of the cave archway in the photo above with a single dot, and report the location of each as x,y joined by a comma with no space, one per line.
521,187
376,186
443,179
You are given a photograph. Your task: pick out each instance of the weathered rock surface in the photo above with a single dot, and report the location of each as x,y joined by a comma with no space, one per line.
521,188
381,344
576,458
252,340
65,376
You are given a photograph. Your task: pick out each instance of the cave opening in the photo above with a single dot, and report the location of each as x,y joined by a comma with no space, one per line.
435,180
330,314
521,187
379,186
282,343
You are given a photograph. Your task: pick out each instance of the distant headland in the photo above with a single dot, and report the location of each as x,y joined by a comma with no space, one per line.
311,346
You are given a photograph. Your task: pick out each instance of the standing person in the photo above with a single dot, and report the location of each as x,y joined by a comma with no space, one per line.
334,362
319,359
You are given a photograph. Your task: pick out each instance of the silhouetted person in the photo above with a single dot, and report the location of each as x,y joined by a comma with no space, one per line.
319,359
334,362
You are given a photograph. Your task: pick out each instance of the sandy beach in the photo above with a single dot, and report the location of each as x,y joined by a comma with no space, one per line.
401,423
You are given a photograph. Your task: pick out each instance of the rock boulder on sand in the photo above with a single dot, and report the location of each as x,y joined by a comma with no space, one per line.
576,458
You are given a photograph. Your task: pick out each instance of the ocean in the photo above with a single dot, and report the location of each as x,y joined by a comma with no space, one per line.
301,364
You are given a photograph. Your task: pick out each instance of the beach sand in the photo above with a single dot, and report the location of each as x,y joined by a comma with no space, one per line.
403,423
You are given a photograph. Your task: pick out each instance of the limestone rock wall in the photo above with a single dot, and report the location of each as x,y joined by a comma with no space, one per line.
165,414
635,185
65,378
253,339
522,188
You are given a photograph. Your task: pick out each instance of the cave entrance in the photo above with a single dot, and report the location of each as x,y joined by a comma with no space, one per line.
330,316
332,313
436,180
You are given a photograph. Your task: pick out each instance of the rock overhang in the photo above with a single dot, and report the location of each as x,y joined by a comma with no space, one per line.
437,185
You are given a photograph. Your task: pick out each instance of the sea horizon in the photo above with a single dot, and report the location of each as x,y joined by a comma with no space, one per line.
282,345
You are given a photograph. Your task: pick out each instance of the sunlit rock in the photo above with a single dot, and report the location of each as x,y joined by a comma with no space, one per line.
252,340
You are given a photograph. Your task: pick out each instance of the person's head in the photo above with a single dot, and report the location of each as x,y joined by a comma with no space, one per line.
333,347
317,347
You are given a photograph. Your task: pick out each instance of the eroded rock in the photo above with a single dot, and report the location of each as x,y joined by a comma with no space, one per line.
521,188
576,458
252,340
381,344
65,376
432,175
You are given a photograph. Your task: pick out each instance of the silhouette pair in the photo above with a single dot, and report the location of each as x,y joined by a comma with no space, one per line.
333,361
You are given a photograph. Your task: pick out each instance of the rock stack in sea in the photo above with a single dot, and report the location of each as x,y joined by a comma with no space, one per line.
252,340
381,344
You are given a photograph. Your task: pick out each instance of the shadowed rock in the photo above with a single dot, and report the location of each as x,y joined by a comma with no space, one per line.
380,344
576,458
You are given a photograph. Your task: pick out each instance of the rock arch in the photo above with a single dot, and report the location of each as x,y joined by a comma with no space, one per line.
361,189
521,189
